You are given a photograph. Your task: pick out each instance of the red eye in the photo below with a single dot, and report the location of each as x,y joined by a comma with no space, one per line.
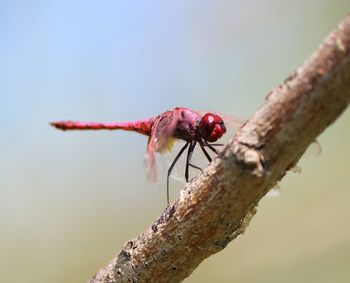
211,127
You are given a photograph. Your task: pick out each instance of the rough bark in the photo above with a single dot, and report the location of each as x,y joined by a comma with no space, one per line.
217,206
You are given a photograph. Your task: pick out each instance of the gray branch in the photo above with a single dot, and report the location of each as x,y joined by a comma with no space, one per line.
214,208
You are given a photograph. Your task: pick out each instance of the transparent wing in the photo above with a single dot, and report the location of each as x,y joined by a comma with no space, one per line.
160,139
228,119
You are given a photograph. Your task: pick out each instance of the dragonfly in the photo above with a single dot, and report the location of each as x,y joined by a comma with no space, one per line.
193,127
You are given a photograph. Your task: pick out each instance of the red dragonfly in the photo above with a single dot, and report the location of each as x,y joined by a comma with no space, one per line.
179,123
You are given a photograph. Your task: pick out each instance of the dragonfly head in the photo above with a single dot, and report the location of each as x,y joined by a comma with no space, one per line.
211,127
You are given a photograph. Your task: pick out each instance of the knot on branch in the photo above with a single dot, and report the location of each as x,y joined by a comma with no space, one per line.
250,158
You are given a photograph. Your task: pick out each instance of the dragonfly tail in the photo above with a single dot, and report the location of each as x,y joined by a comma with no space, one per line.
142,126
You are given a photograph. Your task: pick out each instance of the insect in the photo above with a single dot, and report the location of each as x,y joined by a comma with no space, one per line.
179,123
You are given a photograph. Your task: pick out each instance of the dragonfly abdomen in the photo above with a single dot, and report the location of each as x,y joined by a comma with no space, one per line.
141,126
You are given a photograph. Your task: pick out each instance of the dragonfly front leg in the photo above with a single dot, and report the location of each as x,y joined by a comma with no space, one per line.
214,144
195,167
204,151
211,147
188,159
171,168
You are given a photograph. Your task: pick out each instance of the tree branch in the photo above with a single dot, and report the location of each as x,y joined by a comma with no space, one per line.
216,207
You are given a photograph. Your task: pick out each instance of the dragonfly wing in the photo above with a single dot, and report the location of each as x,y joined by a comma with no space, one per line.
228,119
160,139
150,162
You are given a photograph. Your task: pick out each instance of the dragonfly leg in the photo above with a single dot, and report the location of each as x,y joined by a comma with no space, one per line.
188,159
215,144
195,167
204,151
171,169
211,146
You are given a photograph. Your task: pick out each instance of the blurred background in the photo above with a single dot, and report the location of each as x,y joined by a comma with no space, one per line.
69,200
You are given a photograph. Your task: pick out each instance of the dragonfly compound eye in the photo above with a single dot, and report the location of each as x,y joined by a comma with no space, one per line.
211,127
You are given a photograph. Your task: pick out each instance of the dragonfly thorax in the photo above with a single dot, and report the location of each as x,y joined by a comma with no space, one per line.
187,124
